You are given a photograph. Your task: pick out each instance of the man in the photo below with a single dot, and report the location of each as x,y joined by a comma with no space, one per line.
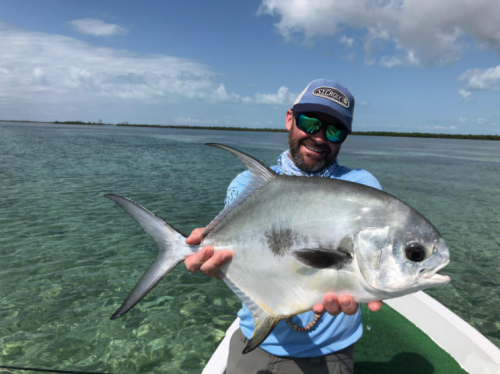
318,123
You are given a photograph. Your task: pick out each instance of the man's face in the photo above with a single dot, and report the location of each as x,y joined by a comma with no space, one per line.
310,152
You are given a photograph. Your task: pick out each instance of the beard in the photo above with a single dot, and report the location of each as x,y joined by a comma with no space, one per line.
300,160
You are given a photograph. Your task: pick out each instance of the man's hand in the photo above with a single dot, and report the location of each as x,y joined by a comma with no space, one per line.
204,259
344,303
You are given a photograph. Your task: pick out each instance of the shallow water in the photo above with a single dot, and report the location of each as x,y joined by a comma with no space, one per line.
69,256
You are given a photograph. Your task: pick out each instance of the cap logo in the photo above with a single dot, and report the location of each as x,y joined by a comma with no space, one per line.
332,94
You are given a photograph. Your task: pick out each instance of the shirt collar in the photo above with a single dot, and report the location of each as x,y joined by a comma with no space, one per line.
287,167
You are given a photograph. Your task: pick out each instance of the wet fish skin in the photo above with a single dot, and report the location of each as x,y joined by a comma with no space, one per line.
294,239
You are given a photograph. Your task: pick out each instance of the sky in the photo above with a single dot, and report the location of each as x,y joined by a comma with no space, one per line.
412,65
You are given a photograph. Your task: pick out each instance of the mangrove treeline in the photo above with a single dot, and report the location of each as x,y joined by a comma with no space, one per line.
367,133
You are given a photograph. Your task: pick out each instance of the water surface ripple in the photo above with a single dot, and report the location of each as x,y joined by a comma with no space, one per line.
69,256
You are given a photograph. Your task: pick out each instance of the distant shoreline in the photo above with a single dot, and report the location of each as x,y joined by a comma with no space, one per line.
366,133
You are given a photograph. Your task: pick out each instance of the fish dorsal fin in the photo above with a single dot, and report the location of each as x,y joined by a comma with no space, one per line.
264,321
260,174
322,258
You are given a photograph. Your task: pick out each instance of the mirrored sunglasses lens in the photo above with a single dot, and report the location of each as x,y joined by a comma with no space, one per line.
335,135
309,125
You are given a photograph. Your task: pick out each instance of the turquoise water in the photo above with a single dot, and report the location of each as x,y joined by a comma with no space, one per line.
69,256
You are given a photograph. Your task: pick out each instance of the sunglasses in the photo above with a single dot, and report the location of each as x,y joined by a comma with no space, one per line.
313,125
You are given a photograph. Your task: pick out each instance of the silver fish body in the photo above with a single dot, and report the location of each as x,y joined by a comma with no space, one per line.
294,239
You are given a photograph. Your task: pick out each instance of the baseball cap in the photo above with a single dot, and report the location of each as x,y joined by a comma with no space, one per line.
328,97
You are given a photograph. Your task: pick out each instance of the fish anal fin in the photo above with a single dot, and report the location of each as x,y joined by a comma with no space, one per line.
264,325
322,258
264,318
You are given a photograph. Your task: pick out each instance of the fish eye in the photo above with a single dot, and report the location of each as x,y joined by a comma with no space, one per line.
415,252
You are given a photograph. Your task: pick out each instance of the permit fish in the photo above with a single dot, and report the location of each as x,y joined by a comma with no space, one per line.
294,239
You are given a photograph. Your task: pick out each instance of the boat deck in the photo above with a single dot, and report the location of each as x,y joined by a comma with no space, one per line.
414,334
394,345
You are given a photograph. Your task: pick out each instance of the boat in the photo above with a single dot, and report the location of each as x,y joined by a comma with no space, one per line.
414,334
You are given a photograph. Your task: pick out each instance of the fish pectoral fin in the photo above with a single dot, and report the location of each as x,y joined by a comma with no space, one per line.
264,325
322,258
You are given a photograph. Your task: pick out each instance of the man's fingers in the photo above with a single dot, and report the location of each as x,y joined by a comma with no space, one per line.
211,266
194,262
335,306
344,303
332,304
196,236
375,306
348,305
319,309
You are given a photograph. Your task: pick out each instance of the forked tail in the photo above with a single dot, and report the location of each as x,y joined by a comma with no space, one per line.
173,250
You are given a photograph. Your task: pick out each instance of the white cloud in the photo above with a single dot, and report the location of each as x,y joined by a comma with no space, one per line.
465,94
369,61
389,62
463,120
62,69
445,128
96,27
423,30
411,59
220,95
347,41
194,121
481,121
38,74
482,79
283,97
364,103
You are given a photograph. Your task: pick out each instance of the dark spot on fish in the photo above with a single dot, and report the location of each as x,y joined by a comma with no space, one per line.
280,240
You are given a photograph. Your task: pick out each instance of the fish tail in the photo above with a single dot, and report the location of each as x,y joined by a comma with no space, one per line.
173,250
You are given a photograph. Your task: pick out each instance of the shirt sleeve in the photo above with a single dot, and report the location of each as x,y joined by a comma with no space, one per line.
236,186
357,176
367,178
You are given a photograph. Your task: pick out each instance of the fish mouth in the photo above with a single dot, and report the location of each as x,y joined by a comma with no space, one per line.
434,276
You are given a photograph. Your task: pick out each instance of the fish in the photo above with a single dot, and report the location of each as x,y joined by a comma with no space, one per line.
295,239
